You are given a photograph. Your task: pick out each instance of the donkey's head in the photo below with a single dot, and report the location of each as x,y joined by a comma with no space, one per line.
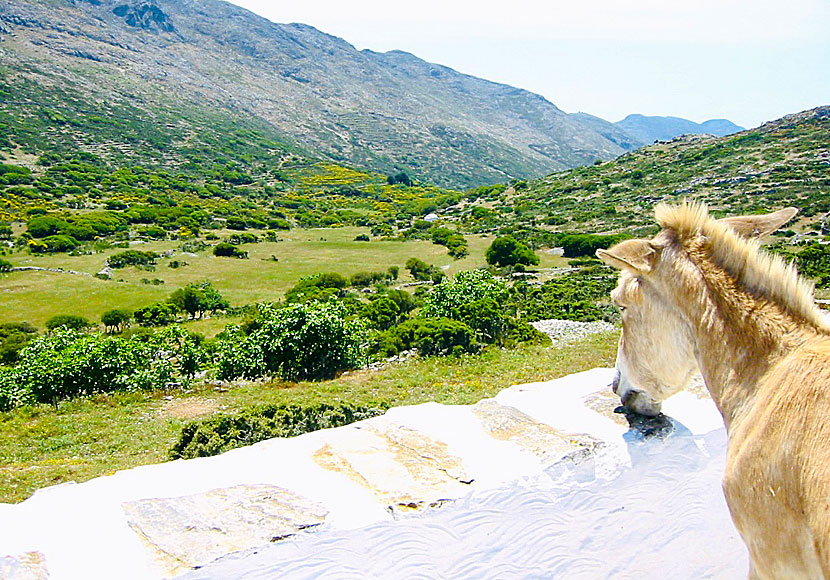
657,354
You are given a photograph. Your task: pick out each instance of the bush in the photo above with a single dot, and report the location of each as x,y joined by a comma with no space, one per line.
813,261
224,249
575,245
419,269
5,265
455,243
307,341
366,279
158,314
508,251
581,295
13,337
59,243
66,364
224,432
383,313
132,258
466,288
438,336
318,287
70,321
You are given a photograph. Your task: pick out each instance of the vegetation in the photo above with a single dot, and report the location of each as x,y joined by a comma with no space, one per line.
507,251
324,244
223,432
307,341
87,437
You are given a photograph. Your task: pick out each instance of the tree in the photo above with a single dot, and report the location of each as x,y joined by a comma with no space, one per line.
116,318
508,251
401,178
195,299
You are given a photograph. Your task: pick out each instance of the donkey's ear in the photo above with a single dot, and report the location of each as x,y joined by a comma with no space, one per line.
637,255
756,226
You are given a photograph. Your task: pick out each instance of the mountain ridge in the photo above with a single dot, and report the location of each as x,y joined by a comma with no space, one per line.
384,111
649,129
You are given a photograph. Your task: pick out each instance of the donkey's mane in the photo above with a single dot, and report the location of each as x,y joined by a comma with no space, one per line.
758,272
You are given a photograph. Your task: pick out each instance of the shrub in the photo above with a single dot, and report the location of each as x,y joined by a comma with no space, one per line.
5,265
455,243
224,249
58,243
467,287
13,393
581,295
42,226
224,432
318,287
399,178
13,337
508,251
419,269
575,245
158,314
366,279
243,238
132,258
307,341
813,261
383,313
66,364
68,321
438,336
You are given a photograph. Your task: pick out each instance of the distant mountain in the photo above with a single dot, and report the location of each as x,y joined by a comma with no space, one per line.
650,129
184,69
781,163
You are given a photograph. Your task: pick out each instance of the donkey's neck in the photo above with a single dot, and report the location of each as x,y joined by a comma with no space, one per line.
739,336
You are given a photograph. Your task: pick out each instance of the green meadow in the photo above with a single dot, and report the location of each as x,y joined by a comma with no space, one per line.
36,296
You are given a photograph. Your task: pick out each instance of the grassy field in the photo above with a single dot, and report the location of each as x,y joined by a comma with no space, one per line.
36,296
85,438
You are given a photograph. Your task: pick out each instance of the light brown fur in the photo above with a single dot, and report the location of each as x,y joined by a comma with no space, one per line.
701,296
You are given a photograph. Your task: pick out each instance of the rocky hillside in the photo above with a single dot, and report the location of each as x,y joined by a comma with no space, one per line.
781,163
651,129
141,77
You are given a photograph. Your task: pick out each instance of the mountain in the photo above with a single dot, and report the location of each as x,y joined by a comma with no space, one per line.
781,163
650,129
183,68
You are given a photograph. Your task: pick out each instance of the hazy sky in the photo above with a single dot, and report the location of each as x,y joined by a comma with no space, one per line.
746,60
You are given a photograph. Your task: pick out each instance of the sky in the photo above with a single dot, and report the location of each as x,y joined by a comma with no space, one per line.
748,61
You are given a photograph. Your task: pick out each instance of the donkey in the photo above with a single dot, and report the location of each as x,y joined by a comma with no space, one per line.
701,296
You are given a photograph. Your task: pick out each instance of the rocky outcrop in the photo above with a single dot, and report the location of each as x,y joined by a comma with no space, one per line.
145,15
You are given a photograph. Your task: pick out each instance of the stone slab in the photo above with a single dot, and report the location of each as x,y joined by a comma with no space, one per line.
191,531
